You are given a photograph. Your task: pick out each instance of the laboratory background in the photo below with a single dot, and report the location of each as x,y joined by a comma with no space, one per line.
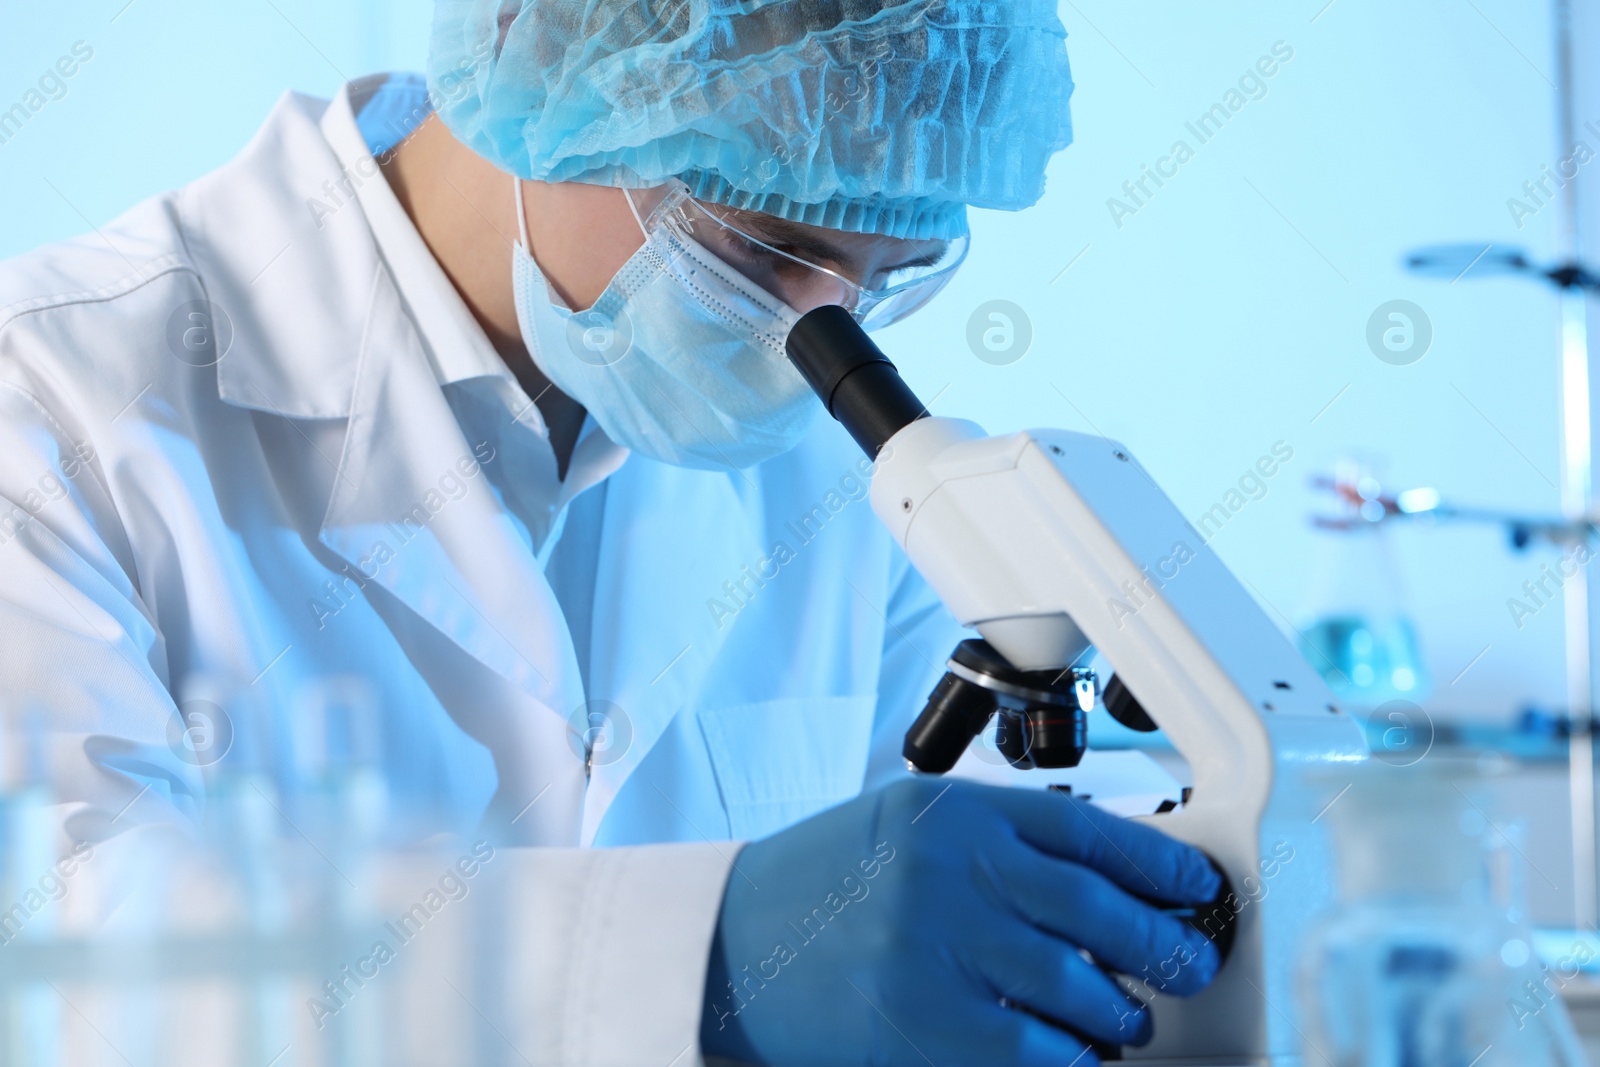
1303,258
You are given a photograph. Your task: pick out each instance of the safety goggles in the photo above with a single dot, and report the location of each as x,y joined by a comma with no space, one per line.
896,290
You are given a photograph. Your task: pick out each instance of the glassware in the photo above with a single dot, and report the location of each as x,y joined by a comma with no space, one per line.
1357,632
1422,964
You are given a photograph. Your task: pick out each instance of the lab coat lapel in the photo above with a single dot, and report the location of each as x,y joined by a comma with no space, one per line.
672,538
398,514
404,512
412,510
260,250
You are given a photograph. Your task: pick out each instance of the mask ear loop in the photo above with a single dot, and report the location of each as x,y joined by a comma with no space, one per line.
634,209
522,214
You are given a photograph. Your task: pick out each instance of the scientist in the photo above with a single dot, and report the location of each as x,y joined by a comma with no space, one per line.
463,404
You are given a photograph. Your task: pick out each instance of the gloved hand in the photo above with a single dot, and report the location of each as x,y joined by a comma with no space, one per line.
888,931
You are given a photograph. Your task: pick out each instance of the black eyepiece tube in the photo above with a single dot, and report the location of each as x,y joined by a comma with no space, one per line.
857,383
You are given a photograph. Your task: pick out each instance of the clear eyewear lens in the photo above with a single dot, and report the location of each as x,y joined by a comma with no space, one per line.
898,305
804,285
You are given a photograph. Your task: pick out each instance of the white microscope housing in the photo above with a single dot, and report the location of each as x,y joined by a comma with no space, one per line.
1048,542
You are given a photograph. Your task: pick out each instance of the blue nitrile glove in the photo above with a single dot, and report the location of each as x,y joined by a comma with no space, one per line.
889,929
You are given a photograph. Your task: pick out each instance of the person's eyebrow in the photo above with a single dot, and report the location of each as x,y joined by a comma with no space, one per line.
776,231
926,260
821,246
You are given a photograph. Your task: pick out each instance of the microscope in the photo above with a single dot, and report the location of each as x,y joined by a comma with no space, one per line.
1051,545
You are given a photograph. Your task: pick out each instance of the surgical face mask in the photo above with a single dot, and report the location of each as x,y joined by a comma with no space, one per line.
681,359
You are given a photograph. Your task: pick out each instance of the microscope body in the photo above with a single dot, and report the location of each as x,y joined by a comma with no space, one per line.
1048,542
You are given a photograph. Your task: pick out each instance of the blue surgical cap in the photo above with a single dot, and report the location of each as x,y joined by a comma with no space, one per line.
873,116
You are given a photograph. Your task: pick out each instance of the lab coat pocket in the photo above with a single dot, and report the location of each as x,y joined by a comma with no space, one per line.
779,761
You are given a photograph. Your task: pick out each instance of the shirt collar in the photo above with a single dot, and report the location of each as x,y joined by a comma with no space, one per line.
390,108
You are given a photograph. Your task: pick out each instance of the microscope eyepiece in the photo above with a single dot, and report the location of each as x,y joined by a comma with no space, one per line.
854,379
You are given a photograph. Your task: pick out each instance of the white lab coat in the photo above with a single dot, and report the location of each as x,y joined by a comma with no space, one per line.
168,530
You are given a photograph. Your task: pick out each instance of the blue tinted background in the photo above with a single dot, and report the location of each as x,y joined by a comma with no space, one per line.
1228,313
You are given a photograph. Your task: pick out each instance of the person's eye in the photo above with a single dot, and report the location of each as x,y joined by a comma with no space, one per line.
764,258
799,266
809,262
739,244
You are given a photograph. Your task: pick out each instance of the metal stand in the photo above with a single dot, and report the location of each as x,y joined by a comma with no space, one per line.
1576,492
1574,283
